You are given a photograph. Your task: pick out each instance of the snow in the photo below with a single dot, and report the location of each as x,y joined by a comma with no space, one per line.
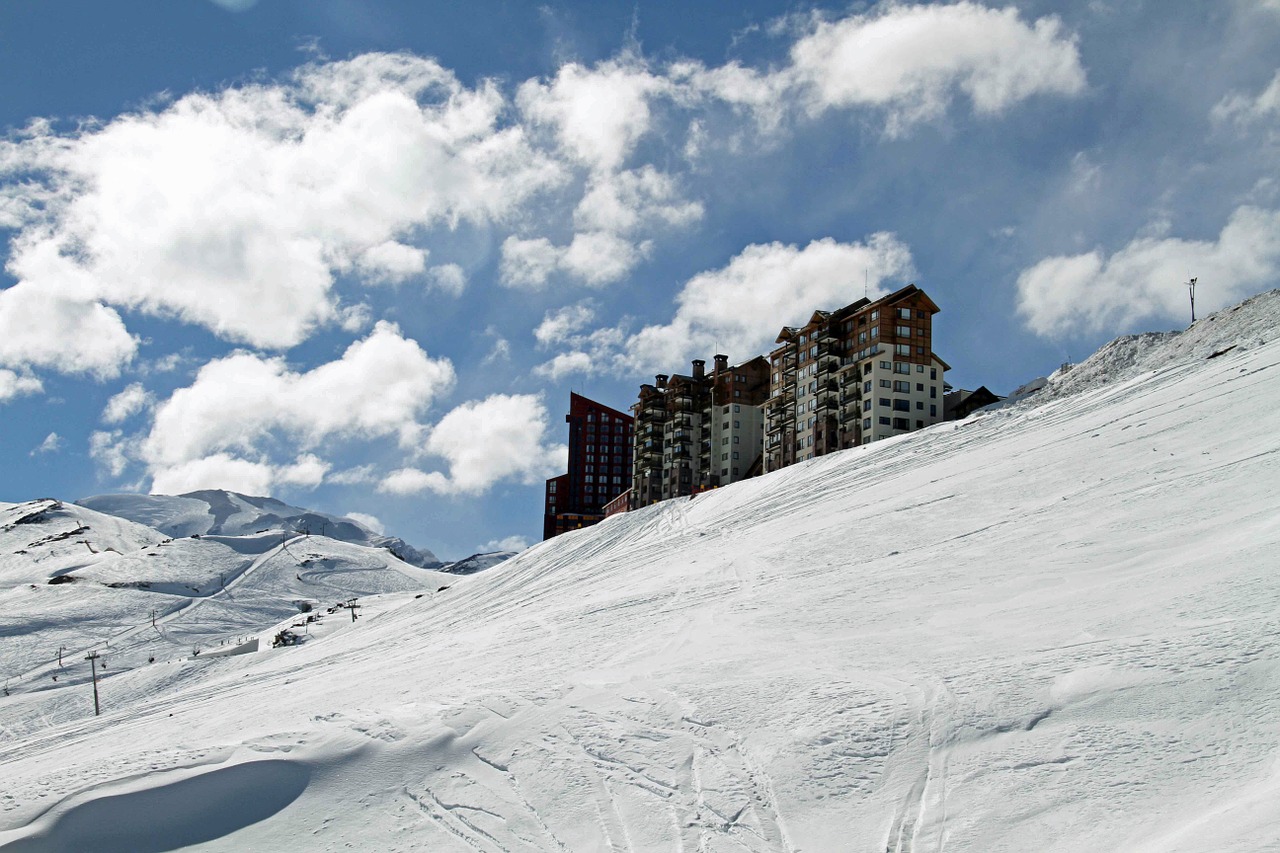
1048,627
214,511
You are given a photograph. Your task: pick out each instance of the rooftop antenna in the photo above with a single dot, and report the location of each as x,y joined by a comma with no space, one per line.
866,281
1191,288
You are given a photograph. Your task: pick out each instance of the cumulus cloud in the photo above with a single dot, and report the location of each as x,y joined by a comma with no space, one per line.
509,543
1244,109
1146,279
595,258
244,402
370,521
124,405
557,325
233,210
625,202
449,278
391,262
766,286
596,114
910,60
13,384
52,444
501,437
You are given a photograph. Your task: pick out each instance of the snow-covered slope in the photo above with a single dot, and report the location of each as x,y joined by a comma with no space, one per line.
214,511
1049,627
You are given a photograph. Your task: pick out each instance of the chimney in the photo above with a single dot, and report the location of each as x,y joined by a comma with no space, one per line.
722,363
699,368
661,381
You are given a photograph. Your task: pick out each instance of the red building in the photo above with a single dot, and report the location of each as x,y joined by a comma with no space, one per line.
599,467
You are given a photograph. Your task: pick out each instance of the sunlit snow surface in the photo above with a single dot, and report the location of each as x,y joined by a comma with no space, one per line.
1055,626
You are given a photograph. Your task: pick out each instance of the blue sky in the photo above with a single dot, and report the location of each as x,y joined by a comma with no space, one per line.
356,254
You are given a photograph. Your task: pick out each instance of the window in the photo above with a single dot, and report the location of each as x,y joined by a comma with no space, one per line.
589,478
875,331
919,424
735,454
741,377
904,313
902,349
901,387
591,417
884,422
737,393
866,368
884,365
875,315
884,401
551,487
933,391
902,405
591,448
903,331
884,383
724,472
922,314
724,440
724,457
809,442
736,408
737,424
811,422
920,367
866,423
933,410
590,469
866,405
901,423
901,367
919,406
735,439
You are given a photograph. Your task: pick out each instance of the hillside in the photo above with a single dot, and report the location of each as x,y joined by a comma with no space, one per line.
1050,627
214,511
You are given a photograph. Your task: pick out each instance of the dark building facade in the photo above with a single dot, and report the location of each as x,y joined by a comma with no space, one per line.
699,431
600,441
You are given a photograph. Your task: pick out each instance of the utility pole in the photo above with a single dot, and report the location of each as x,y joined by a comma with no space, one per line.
1191,288
351,605
92,658
61,649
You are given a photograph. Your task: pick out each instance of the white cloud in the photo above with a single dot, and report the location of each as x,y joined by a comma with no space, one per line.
624,202
528,263
501,437
1247,109
370,521
413,481
390,262
218,471
450,279
133,399
233,210
910,59
597,114
596,258
1146,279
509,543
568,363
52,444
740,308
556,326
112,450
379,387
55,327
235,5
14,384
357,476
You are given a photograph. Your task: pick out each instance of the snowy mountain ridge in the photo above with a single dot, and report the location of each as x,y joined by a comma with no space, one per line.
1048,627
219,512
